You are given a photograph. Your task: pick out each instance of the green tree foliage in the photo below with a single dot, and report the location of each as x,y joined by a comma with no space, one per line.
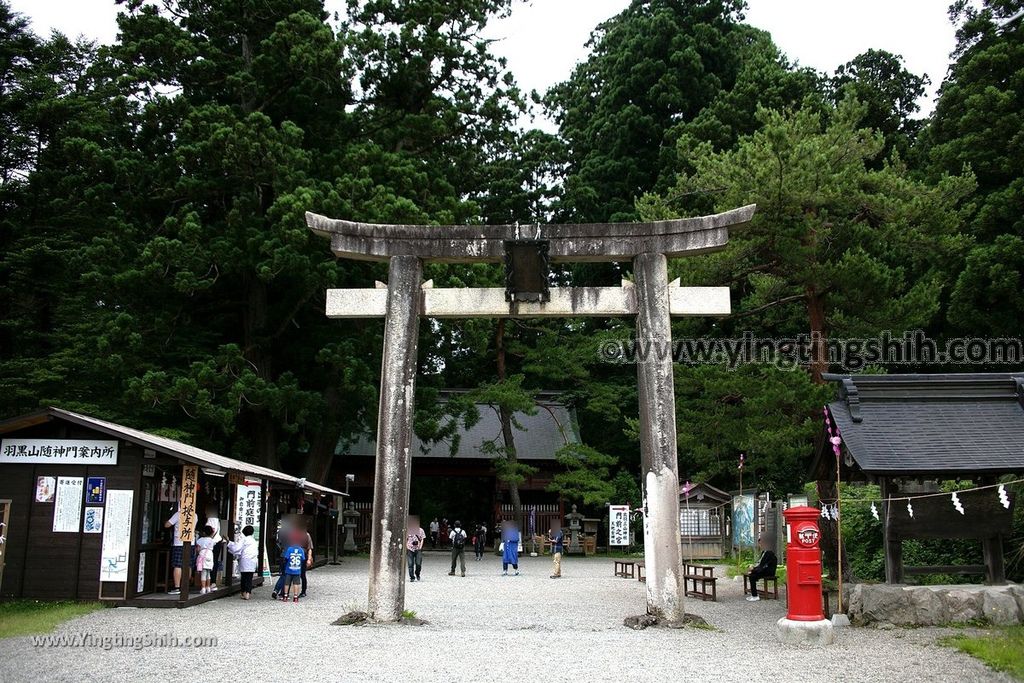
890,93
655,64
188,292
767,413
586,477
835,247
978,124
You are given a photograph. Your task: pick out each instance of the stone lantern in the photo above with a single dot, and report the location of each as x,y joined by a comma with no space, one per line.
351,518
575,529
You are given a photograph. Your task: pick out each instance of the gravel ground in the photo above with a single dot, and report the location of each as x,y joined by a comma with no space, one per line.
481,625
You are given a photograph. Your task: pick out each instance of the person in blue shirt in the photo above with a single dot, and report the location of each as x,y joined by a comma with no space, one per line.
557,538
294,560
510,548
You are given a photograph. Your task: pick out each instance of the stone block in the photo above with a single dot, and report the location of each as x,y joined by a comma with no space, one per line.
1017,592
963,606
885,603
1000,608
928,608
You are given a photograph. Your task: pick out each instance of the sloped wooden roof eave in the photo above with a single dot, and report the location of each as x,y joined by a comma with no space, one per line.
946,425
160,444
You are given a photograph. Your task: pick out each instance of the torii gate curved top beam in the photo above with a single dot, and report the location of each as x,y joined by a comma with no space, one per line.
566,242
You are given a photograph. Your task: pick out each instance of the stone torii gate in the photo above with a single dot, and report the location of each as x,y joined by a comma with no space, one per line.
526,252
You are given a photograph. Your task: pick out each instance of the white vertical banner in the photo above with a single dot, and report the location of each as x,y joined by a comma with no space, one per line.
618,525
247,507
67,511
117,533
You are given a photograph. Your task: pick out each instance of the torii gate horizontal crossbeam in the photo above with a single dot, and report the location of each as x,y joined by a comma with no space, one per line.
489,302
567,242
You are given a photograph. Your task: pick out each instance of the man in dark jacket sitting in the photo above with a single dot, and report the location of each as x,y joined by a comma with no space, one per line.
765,567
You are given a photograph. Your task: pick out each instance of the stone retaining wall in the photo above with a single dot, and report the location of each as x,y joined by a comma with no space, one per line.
935,605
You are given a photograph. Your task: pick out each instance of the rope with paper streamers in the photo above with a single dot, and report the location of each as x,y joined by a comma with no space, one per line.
830,508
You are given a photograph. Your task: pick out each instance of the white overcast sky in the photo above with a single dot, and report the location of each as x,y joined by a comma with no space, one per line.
544,39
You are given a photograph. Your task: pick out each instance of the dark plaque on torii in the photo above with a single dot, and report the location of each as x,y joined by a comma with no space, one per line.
526,251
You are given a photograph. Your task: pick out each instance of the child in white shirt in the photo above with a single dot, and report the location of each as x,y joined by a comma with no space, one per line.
204,558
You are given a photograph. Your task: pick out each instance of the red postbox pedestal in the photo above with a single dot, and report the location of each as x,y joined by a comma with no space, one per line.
805,622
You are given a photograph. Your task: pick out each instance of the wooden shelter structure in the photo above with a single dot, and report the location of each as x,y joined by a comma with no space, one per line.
83,503
704,522
909,433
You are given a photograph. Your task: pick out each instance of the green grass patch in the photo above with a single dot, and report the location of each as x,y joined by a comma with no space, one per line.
29,617
1000,648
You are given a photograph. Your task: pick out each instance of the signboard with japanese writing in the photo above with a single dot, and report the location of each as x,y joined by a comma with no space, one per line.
187,502
247,507
117,529
67,511
58,452
618,525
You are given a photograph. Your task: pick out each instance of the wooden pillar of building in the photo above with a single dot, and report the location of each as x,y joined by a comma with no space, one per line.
892,543
995,568
659,460
394,440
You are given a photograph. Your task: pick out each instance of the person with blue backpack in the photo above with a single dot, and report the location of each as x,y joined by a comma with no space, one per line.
458,539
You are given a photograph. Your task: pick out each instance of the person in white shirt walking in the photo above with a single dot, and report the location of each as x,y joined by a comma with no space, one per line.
435,529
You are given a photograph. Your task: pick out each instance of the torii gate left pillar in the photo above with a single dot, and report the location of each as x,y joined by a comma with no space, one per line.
652,299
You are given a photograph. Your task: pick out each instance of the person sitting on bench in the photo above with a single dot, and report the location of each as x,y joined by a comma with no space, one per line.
766,566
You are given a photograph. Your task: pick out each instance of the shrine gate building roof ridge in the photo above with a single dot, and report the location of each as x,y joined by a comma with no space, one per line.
568,242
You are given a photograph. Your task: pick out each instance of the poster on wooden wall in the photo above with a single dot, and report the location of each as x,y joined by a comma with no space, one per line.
95,489
117,531
67,512
46,487
93,520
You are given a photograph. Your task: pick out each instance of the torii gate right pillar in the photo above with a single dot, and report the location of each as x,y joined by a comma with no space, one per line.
658,459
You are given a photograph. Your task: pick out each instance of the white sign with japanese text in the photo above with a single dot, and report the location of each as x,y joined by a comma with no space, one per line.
618,525
247,507
58,452
117,533
67,511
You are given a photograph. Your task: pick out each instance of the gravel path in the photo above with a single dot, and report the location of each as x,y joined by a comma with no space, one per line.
570,629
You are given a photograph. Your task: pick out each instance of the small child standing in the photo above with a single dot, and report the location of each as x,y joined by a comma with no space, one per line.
247,551
204,558
294,559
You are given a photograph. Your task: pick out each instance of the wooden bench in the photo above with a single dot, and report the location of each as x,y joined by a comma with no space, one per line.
640,567
625,568
771,586
702,577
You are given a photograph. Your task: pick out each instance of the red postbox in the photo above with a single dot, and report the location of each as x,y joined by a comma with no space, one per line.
803,564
